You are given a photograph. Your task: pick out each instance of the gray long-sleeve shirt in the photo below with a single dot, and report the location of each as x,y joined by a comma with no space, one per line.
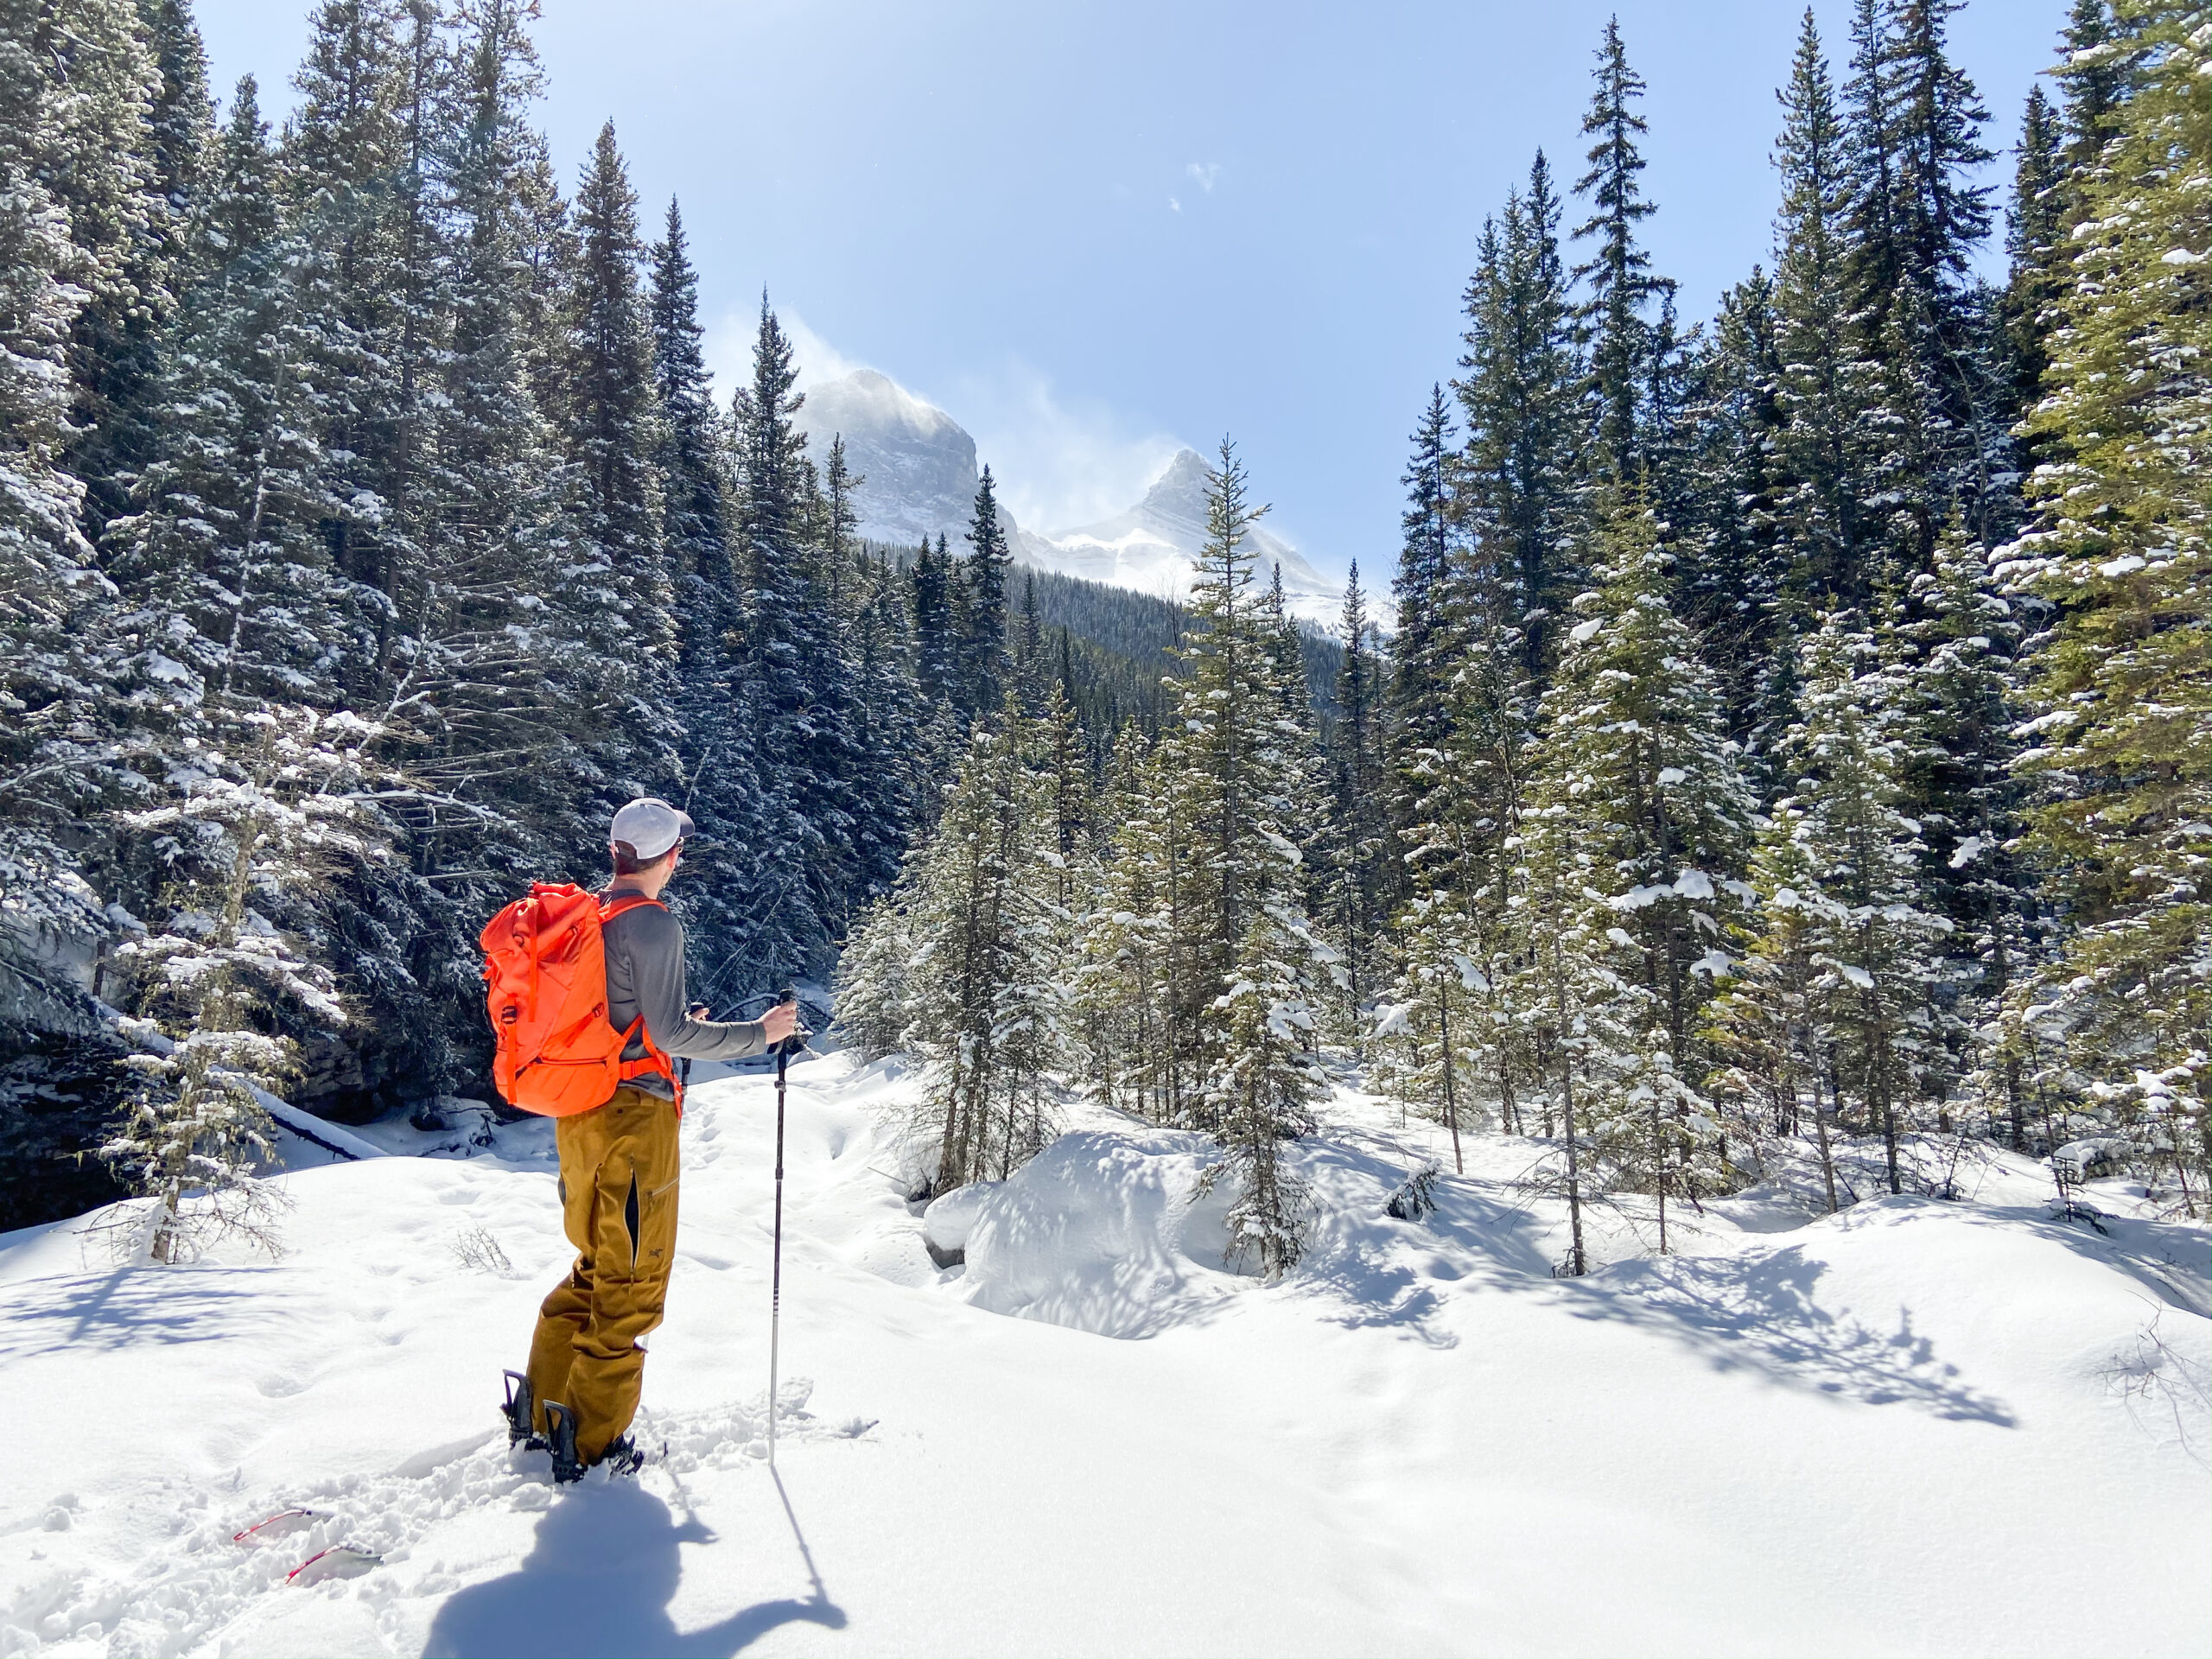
645,974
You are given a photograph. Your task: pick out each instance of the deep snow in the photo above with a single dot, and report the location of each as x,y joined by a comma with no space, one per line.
1917,1426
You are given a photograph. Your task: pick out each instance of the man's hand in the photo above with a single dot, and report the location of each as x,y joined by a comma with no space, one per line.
780,1020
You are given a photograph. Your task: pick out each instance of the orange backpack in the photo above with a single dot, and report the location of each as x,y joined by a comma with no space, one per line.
546,965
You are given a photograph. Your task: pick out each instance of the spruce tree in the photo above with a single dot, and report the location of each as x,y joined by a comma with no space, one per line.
2122,744
1635,720
982,632
2035,244
1611,318
1824,385
1358,886
1855,872
1517,491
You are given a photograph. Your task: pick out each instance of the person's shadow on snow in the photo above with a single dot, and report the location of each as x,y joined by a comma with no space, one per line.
598,1581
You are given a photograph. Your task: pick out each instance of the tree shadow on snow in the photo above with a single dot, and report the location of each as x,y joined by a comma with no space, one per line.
597,1581
1757,1311
1377,1268
133,1304
1759,1314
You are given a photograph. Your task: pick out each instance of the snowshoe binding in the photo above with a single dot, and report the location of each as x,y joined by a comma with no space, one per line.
560,1441
623,1457
521,1430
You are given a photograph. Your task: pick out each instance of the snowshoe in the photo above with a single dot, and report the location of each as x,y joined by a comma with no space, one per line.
276,1526
521,1430
560,1441
623,1457
339,1561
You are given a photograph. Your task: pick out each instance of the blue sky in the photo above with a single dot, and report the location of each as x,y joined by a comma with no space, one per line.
1095,231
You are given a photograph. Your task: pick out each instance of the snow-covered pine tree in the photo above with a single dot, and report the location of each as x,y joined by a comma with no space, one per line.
1611,320
961,961
802,817
982,608
1877,945
1133,965
1517,493
1824,388
1768,1026
935,649
1253,967
1423,653
1961,701
719,787
55,763
160,131
1732,572
228,574
1358,882
351,140
230,994
2035,232
2123,745
1635,736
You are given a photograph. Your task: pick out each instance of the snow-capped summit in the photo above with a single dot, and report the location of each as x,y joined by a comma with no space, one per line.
1153,547
918,464
919,467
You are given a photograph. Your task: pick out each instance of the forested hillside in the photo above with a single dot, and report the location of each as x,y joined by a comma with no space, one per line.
1798,726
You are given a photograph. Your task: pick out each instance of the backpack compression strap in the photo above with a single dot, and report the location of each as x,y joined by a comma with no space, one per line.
652,1060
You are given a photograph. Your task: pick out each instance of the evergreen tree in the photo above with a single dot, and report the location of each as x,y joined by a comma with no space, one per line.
1422,654
1359,886
1825,383
2122,746
982,606
935,646
344,150
801,818
1620,286
1852,868
1732,578
1635,720
1518,495
959,960
117,342
2034,242
720,785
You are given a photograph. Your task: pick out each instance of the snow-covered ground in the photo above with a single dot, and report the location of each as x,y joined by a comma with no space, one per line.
1918,1427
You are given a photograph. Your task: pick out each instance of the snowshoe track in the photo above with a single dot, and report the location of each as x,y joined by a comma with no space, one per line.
205,1579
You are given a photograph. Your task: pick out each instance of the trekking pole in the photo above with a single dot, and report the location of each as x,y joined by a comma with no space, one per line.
776,1268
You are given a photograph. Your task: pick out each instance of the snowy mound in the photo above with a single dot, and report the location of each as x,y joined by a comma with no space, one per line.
1802,1433
1101,1231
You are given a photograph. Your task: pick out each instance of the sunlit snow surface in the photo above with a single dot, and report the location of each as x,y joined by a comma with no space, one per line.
1921,1427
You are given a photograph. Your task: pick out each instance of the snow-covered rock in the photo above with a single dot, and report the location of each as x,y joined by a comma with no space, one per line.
917,466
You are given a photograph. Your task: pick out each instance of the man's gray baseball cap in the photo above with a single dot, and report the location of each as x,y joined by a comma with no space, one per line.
651,826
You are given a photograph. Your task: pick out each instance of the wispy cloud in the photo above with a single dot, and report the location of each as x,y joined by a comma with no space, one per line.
1203,173
728,349
1060,461
1173,205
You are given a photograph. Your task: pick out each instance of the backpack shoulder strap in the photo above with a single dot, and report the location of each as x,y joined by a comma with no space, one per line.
625,901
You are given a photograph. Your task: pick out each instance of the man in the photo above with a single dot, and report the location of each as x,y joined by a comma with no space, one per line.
618,1163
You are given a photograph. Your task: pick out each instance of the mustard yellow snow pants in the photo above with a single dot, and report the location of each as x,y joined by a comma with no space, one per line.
619,1169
